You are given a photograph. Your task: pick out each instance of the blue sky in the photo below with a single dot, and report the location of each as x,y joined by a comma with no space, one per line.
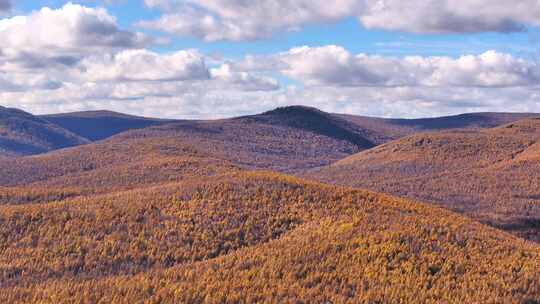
347,33
185,58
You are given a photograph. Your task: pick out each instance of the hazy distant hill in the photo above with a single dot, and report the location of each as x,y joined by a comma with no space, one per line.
167,152
357,132
492,174
381,130
97,125
22,133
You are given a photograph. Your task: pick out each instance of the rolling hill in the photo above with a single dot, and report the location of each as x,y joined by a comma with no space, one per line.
492,175
98,125
291,139
286,140
22,134
51,132
167,153
313,120
257,237
104,167
173,213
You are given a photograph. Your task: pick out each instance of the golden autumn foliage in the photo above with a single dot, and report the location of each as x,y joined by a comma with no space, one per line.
103,168
492,175
169,214
257,237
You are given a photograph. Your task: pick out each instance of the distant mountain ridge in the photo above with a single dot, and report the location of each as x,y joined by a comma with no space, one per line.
98,125
381,130
359,132
22,133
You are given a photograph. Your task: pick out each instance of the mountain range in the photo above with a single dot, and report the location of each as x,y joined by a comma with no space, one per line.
293,203
25,134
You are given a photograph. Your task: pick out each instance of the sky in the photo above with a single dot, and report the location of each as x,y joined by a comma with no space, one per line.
203,59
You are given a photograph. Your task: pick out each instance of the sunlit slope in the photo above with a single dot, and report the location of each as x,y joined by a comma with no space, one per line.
104,168
493,175
257,237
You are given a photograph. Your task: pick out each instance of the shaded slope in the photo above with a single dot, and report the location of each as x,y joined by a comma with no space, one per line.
470,120
257,237
492,175
313,120
22,133
98,125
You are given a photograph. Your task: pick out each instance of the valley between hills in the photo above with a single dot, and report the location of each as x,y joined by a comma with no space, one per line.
294,205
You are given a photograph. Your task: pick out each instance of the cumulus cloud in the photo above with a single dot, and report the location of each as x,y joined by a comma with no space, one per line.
78,58
174,100
183,68
335,66
245,81
18,82
238,20
448,16
144,65
62,36
330,78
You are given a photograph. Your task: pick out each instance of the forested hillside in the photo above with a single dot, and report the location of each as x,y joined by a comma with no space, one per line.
253,237
492,175
24,134
173,213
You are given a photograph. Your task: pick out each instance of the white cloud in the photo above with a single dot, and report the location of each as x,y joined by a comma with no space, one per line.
62,36
78,58
181,85
450,16
17,82
174,100
144,65
238,20
184,68
335,66
245,81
